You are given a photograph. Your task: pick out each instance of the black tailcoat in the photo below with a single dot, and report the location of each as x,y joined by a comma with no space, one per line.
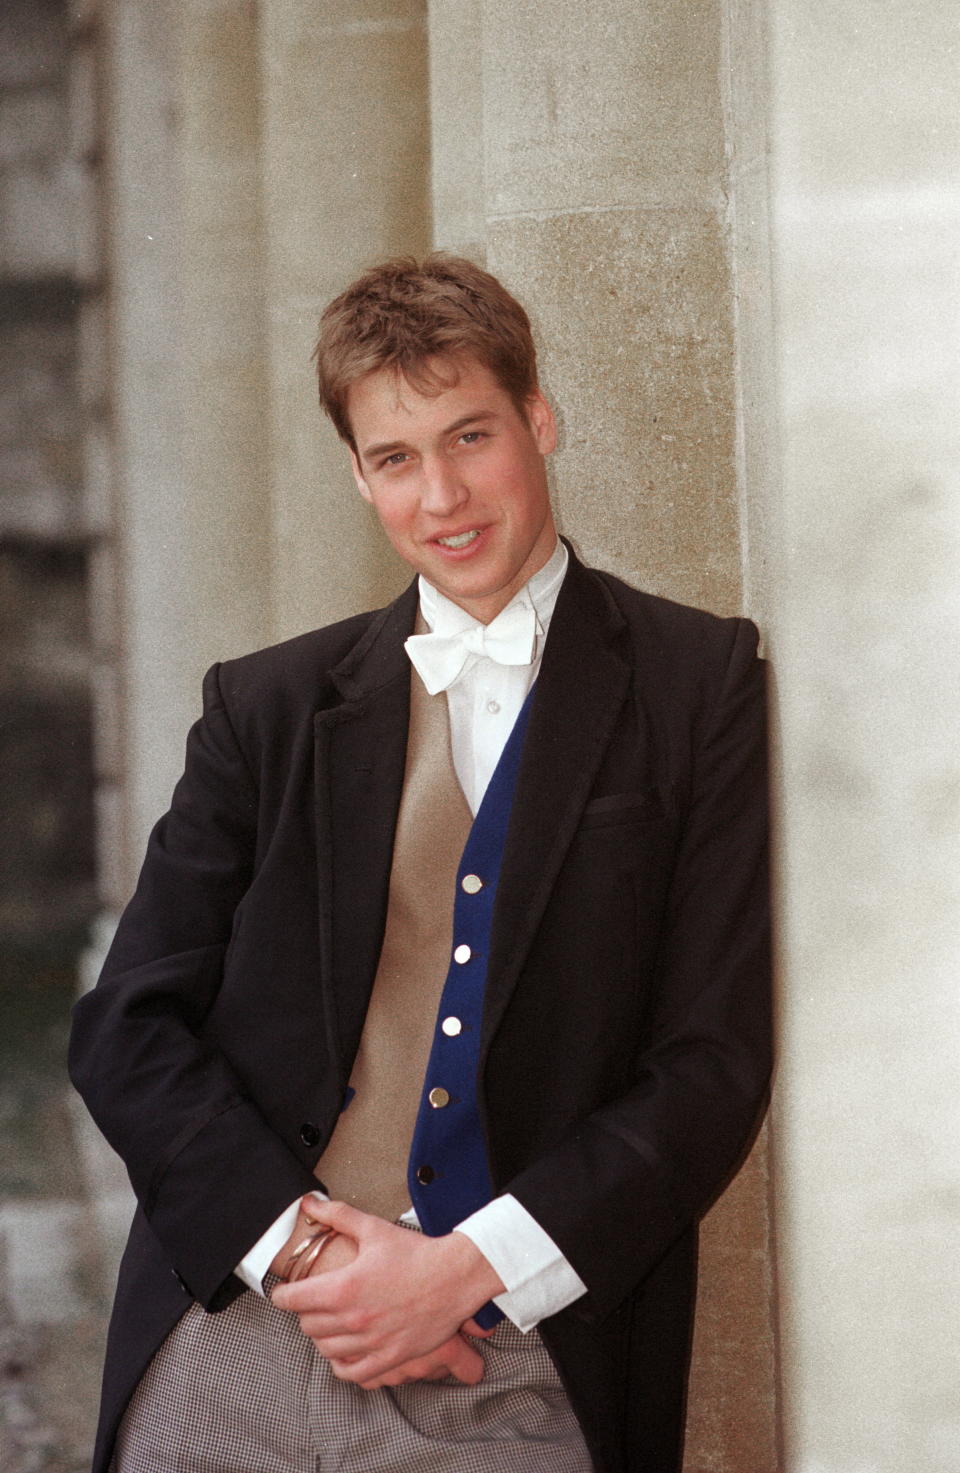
625,1050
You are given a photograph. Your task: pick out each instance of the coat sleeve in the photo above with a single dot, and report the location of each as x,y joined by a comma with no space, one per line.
623,1184
209,1173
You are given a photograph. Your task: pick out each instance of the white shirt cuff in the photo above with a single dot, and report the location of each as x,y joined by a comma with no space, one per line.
539,1279
254,1264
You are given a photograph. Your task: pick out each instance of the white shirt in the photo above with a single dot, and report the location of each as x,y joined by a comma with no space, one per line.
484,703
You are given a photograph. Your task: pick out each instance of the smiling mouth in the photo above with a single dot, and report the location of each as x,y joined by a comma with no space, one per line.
462,539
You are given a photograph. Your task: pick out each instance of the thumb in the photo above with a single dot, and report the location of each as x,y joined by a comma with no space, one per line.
340,1215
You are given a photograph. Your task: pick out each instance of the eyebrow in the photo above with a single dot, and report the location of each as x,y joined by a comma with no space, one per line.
387,447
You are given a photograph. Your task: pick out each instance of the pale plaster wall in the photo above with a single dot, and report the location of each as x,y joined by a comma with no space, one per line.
866,210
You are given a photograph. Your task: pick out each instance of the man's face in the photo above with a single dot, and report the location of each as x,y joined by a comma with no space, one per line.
458,480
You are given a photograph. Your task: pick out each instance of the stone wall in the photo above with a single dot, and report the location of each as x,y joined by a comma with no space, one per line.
46,821
55,547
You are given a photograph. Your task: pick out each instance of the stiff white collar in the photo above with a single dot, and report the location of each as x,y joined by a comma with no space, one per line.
442,616
457,640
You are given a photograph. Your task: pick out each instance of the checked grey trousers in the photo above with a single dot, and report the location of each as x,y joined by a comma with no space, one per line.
244,1391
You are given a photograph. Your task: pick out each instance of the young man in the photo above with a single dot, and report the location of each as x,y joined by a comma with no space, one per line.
459,916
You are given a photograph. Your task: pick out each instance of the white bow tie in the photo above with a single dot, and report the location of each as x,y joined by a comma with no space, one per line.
440,659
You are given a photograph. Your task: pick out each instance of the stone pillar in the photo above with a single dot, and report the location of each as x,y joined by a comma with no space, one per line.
87,138
612,161
345,183
456,128
191,413
866,207
604,181
159,604
225,420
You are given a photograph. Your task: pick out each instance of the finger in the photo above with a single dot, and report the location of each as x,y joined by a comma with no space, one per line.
322,1294
462,1363
310,1296
432,1367
368,1371
405,1374
376,1365
470,1327
401,1376
465,1363
347,1350
313,1206
345,1219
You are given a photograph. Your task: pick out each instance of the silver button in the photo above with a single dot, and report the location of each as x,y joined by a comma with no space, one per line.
439,1098
471,883
462,954
451,1027
493,707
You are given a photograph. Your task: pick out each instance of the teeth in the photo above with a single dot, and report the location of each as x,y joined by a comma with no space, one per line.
461,541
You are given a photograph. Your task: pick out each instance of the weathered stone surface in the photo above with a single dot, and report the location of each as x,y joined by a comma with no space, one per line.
39,420
52,1309
733,1390
634,314
346,184
37,220
622,108
31,123
456,127
32,42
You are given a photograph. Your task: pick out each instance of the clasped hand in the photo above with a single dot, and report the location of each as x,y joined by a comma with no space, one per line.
386,1305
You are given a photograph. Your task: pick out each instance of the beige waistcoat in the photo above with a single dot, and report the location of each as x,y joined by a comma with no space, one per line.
365,1162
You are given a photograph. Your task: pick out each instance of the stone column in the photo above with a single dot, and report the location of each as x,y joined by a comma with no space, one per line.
611,157
158,599
456,128
345,183
225,405
604,183
191,412
866,207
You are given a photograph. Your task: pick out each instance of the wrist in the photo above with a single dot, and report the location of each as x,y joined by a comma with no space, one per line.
304,1258
305,1227
480,1279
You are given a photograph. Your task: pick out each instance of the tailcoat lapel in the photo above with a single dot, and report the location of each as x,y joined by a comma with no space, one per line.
360,757
579,693
360,751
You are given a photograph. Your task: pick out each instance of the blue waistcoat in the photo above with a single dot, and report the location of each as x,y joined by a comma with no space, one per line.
448,1173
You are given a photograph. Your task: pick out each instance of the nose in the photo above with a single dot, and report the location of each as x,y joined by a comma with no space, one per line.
442,490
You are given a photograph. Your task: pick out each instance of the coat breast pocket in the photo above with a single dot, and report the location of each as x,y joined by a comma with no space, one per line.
618,809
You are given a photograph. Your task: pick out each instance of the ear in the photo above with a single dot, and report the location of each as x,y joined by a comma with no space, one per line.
362,486
542,424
